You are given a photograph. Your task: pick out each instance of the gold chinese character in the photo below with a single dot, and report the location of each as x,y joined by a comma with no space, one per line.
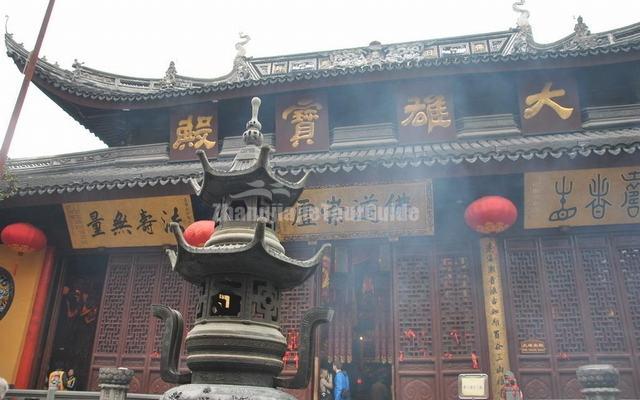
196,138
538,100
431,111
303,117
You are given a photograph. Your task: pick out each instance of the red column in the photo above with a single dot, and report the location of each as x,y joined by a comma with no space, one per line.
23,378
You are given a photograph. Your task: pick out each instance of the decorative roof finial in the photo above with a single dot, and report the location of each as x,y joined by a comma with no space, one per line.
253,135
241,51
581,29
523,18
6,24
169,79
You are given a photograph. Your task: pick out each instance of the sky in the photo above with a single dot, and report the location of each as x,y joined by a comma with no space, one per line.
139,38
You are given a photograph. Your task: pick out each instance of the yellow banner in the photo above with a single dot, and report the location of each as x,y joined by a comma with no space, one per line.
360,211
494,309
126,223
582,197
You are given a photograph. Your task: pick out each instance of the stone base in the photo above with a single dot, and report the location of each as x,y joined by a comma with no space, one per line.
203,391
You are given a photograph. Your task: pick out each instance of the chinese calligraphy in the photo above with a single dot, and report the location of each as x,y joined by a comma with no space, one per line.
303,116
563,213
537,101
187,135
582,197
430,111
598,189
146,222
365,210
632,193
126,223
495,321
120,224
95,224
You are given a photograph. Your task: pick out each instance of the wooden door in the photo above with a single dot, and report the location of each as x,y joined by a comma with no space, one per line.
580,296
127,334
438,319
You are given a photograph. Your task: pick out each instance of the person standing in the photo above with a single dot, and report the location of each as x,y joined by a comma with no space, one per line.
71,381
56,379
326,384
341,388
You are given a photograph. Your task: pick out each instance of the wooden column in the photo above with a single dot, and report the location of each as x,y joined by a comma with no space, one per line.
494,309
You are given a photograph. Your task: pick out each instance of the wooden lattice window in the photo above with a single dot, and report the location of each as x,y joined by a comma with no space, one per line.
413,283
457,310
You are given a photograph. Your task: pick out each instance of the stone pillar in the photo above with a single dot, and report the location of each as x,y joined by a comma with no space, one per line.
599,381
114,383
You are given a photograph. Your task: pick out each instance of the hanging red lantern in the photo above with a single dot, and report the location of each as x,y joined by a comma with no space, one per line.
491,214
23,237
199,232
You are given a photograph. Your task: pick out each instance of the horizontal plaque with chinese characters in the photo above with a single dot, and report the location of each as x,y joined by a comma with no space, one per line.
360,211
549,104
193,128
425,114
302,122
582,197
126,223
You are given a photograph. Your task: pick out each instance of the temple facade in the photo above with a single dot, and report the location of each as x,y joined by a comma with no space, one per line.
395,141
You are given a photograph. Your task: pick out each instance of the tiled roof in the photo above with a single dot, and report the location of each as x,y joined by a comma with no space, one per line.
506,46
149,165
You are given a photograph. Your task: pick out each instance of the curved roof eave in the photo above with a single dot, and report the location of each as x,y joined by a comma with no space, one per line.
108,90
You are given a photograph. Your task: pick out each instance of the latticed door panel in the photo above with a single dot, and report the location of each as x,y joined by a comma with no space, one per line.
602,295
127,334
437,307
569,294
414,306
627,252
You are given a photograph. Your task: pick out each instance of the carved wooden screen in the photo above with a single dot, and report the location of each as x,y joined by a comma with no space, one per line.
127,333
575,295
293,304
438,319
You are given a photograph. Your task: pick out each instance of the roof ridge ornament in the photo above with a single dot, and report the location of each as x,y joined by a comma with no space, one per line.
169,79
241,51
582,35
253,134
523,19
77,66
6,24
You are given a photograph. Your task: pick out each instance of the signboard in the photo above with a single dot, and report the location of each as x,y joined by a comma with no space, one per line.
494,308
302,122
582,197
360,211
473,386
533,346
549,103
126,223
193,128
425,114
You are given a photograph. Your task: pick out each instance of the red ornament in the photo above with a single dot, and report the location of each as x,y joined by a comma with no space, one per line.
199,232
23,237
491,214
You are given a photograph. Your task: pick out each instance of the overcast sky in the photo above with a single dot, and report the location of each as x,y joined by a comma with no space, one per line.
140,38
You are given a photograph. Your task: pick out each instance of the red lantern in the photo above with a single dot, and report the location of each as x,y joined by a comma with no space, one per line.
23,237
491,214
199,232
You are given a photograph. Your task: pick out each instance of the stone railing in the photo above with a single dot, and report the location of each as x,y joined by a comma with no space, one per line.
113,383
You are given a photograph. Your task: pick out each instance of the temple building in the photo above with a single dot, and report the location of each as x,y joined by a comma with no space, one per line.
481,195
